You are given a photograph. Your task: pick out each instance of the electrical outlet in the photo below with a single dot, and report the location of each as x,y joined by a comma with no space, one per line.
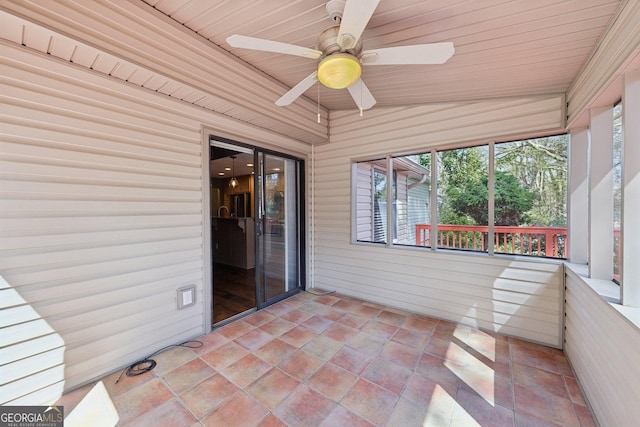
186,296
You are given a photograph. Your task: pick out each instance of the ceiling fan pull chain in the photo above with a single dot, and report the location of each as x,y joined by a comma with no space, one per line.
360,106
318,102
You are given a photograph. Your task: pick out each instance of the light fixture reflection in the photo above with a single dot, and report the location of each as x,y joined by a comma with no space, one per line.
234,182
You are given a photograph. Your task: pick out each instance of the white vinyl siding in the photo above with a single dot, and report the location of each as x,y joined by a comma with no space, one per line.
603,348
101,221
125,41
101,212
379,212
521,298
418,209
402,232
370,210
370,205
364,202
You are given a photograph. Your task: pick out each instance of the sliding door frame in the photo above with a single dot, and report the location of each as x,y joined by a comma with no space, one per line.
300,223
208,135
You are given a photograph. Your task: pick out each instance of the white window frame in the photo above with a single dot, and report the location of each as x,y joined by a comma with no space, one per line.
434,199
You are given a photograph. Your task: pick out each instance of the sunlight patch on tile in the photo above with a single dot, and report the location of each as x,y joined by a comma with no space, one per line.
441,407
484,344
455,353
481,378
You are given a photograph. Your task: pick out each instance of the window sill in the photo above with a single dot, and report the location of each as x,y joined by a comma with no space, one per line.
463,252
608,291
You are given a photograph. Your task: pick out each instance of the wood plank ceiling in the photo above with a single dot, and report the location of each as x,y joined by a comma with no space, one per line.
504,48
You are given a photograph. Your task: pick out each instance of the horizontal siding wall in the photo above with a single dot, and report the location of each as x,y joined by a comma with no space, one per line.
519,297
101,221
405,129
101,210
130,40
603,348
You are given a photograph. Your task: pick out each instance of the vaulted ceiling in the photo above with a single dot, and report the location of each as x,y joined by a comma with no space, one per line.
502,48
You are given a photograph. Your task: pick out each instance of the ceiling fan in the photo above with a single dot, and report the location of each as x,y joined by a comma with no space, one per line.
341,55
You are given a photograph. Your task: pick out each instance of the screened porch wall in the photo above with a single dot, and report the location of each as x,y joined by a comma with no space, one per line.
517,297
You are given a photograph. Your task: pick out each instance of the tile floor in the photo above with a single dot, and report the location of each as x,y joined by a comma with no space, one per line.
338,361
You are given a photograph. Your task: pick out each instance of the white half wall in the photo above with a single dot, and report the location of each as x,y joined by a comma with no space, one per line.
603,347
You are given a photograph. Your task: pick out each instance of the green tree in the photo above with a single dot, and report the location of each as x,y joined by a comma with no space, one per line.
457,168
540,165
531,183
512,200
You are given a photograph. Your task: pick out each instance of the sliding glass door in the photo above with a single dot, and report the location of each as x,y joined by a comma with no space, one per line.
278,254
256,228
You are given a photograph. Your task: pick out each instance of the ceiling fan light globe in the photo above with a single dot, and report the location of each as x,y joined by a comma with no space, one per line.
339,71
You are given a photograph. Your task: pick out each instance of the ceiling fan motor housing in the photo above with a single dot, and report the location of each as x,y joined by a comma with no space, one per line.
327,43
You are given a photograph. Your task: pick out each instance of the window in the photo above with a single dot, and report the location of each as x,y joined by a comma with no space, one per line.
617,188
371,201
371,182
530,197
463,198
505,198
379,205
412,175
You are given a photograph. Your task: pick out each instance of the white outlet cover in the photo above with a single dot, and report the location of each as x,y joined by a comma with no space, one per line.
186,297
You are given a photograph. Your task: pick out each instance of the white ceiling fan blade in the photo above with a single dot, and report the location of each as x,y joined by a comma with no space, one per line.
431,53
361,95
297,90
254,43
355,18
